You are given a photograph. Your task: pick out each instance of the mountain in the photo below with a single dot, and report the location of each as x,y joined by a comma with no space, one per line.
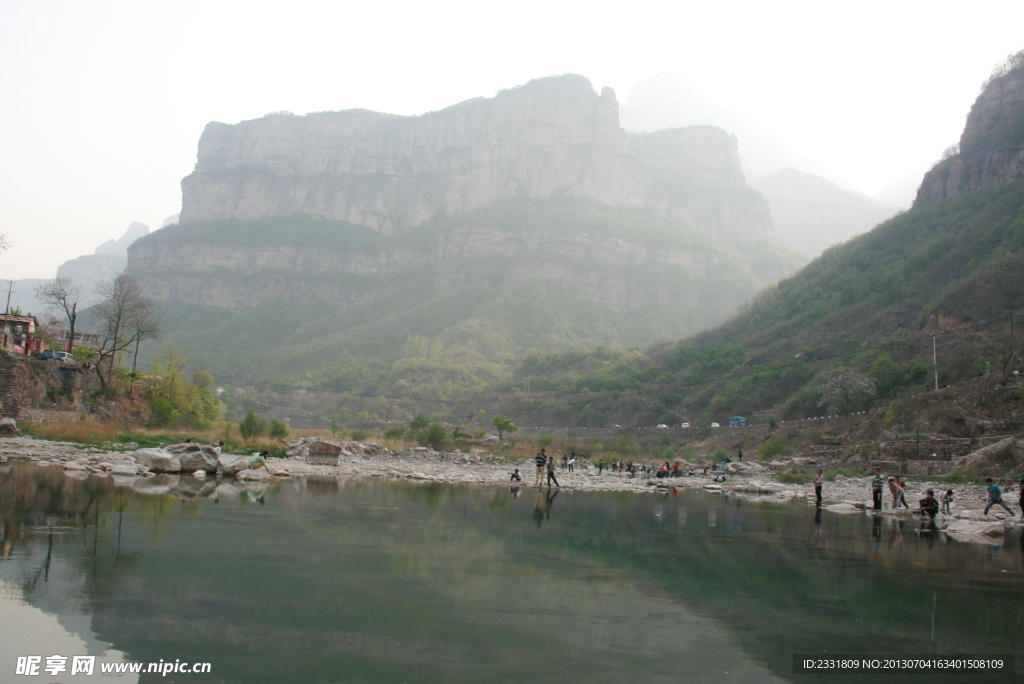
87,271
530,219
811,213
120,246
991,148
667,101
946,273
901,193
811,209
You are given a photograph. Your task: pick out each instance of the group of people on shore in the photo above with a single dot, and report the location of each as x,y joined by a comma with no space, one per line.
545,466
929,505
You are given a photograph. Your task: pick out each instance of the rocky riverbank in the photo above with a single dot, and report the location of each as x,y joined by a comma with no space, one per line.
195,471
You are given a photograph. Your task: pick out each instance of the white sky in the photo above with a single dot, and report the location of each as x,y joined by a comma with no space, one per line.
103,102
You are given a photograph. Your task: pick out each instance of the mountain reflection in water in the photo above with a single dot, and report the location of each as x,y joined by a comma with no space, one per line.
369,580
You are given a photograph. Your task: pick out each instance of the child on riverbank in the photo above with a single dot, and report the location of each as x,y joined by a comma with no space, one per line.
876,489
947,499
896,492
995,496
928,505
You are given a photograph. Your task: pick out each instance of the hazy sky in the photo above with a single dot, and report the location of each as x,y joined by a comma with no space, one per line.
103,102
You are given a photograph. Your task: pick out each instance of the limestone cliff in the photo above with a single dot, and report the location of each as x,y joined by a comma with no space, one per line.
550,136
991,148
535,195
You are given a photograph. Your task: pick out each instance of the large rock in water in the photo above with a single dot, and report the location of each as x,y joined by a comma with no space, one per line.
193,457
259,475
994,528
157,460
230,465
324,453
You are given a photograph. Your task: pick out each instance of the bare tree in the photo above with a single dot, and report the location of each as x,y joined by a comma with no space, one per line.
121,301
145,321
65,295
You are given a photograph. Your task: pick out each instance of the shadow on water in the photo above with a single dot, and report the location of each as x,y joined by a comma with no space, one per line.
368,580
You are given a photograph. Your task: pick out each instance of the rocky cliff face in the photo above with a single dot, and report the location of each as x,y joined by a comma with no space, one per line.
991,147
500,246
537,189
550,136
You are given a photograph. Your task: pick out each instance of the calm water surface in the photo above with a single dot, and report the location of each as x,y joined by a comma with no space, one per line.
331,580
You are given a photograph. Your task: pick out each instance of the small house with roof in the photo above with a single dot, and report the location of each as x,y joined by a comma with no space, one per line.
20,334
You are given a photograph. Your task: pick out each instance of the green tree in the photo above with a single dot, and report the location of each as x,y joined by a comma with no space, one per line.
435,437
503,425
252,426
278,430
84,353
418,423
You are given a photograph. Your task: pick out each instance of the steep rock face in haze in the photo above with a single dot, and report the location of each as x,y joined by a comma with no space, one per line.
991,147
667,101
534,198
120,246
590,252
810,213
551,139
550,136
695,177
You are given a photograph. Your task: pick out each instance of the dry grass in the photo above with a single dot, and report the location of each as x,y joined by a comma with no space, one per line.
78,431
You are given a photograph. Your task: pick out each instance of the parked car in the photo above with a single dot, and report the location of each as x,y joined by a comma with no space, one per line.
715,425
662,426
617,427
685,425
47,356
64,357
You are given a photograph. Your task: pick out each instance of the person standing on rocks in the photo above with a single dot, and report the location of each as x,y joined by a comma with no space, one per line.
819,481
876,489
541,460
995,496
551,473
1021,499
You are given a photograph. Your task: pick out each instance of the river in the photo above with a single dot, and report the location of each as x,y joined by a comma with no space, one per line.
367,580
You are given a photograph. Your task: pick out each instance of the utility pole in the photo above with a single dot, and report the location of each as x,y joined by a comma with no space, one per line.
10,291
7,311
935,364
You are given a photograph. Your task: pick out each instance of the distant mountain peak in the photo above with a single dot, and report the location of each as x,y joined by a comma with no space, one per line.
120,246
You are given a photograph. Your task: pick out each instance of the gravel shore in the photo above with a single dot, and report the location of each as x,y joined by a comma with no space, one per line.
485,469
